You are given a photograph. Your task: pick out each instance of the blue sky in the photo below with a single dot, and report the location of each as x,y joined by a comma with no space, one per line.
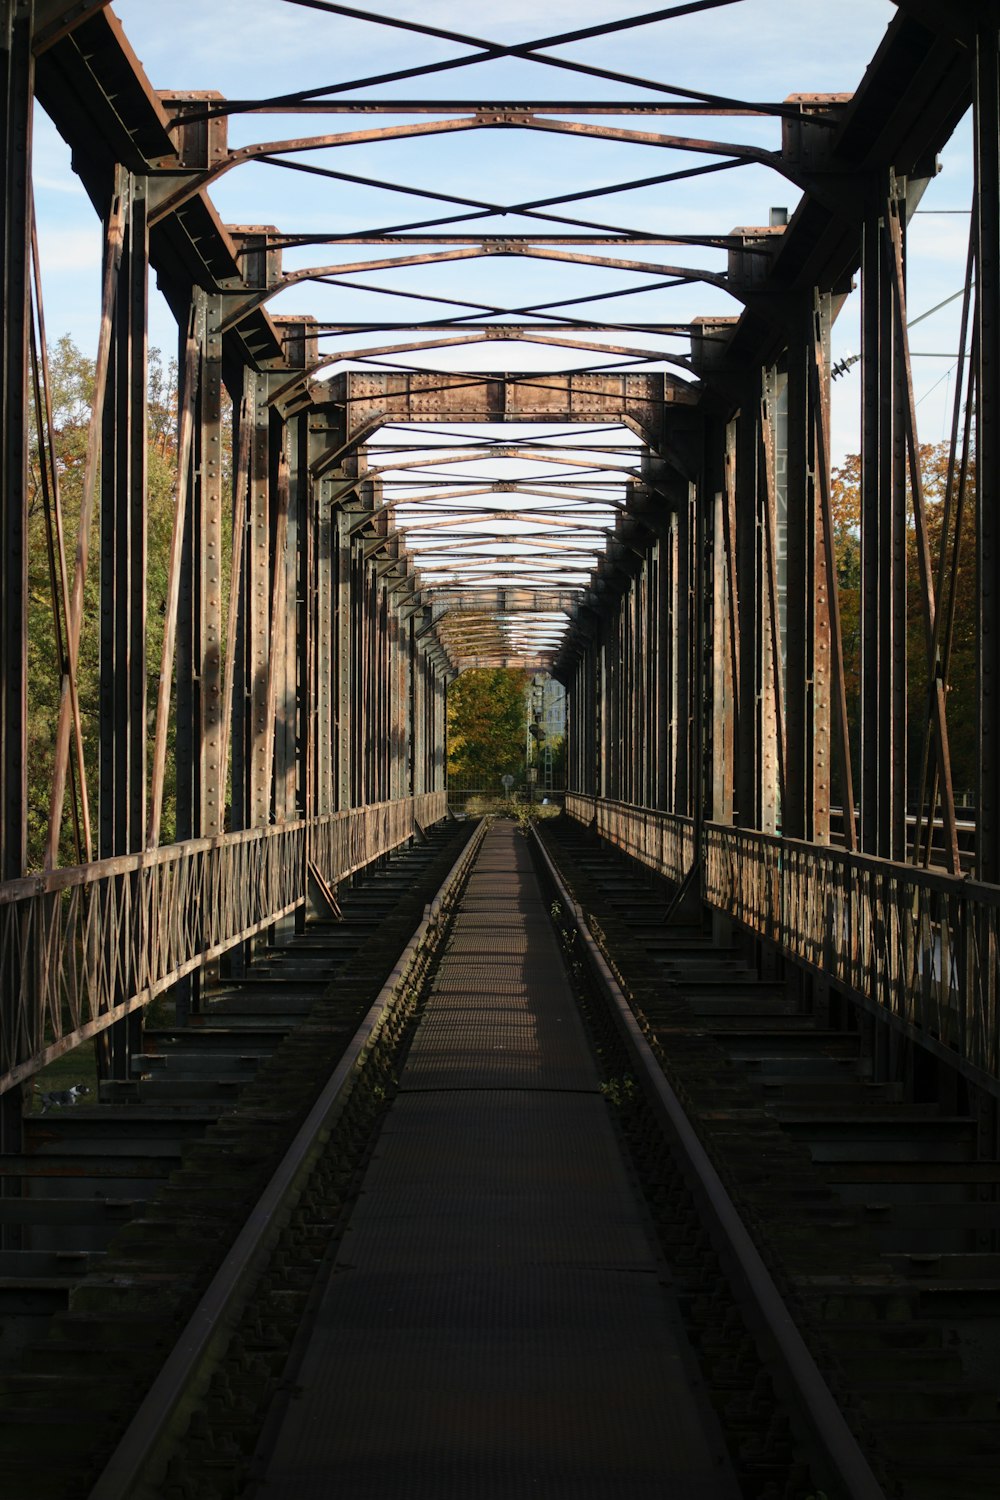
764,49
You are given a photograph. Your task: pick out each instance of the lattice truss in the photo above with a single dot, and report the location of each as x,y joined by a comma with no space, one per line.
505,530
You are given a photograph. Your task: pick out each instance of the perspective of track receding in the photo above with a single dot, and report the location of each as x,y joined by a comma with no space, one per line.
640,1136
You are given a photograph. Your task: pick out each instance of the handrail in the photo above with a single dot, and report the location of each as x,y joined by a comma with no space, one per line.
663,841
919,946
82,947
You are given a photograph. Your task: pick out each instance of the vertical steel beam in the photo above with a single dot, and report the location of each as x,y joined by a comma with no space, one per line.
122,575
123,531
798,592
274,749
703,495
184,670
251,806
683,633
771,787
296,772
440,729
669,628
650,726
344,635
286,726
200,736
722,685
415,727
356,708
258,571
748,592
211,770
986,229
806,636
641,667
325,714
883,547
302,666
732,603
662,685
232,700
652,674
16,87
16,83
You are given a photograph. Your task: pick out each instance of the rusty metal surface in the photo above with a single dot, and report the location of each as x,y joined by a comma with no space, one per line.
498,1322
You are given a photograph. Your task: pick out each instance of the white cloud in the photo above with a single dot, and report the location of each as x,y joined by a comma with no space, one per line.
70,250
70,185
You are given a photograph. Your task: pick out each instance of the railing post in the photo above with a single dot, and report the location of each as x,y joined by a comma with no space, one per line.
986,231
807,699
883,545
123,526
747,573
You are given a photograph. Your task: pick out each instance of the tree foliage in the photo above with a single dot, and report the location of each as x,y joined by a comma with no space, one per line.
71,379
961,696
486,710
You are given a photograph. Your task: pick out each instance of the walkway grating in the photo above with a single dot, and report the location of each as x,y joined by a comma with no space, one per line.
498,1323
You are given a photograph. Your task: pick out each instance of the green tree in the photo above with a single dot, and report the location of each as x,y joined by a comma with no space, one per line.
71,378
961,698
486,723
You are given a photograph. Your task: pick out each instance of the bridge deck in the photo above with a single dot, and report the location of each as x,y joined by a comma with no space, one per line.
498,1322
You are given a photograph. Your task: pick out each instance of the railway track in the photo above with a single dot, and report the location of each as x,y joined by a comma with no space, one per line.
129,1202
873,1204
829,1243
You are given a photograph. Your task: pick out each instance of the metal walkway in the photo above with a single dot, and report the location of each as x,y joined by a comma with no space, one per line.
498,1322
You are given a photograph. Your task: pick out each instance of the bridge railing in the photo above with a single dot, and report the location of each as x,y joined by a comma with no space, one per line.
82,947
921,945
663,841
343,842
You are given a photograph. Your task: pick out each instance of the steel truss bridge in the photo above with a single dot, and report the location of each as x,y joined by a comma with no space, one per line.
328,581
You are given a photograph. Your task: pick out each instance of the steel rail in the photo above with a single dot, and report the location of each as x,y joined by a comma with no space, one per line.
201,1342
844,1462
